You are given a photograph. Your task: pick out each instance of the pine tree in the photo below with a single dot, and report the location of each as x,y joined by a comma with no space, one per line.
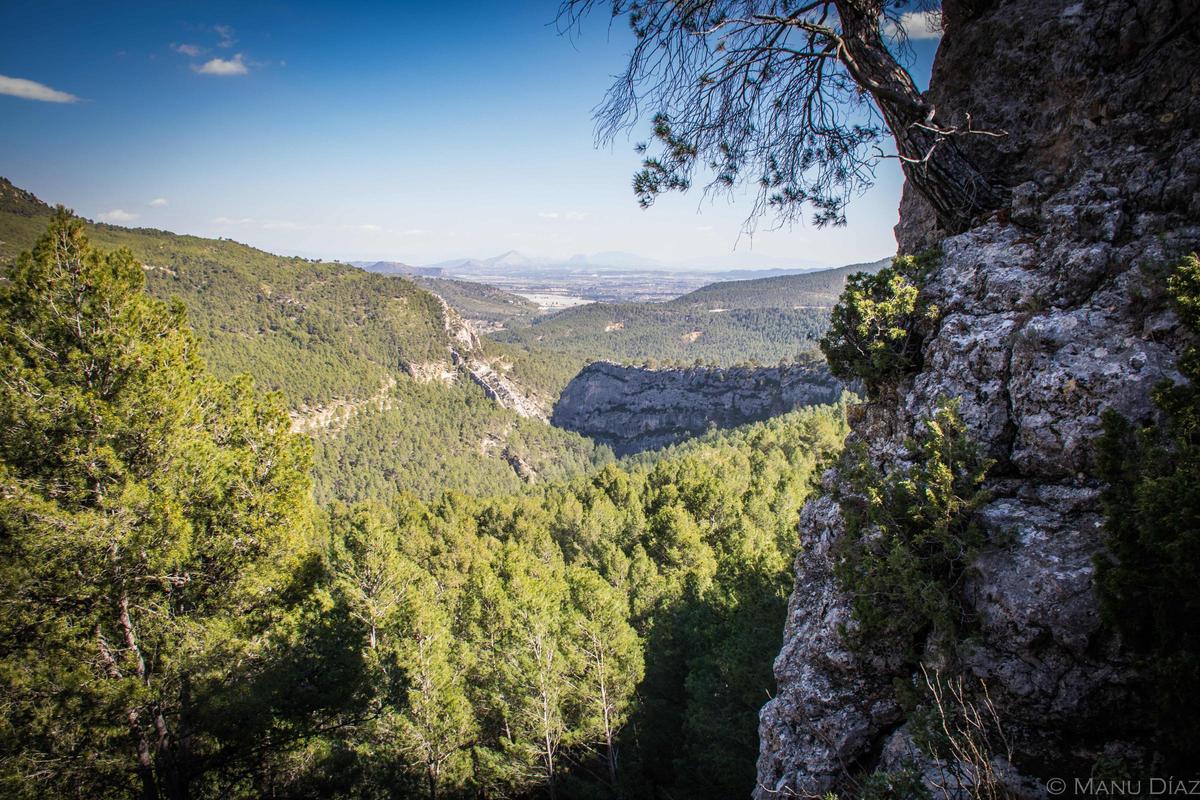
152,521
608,662
437,723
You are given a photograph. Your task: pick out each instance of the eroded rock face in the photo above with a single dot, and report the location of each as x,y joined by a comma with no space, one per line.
1052,312
490,374
631,409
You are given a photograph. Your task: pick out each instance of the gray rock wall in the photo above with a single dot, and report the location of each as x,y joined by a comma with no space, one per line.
631,409
1052,312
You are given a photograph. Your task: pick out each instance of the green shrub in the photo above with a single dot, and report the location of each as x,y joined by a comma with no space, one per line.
879,325
1149,580
910,536
902,784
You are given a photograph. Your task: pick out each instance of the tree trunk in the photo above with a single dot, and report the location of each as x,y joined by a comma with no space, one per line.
610,753
932,160
552,789
145,763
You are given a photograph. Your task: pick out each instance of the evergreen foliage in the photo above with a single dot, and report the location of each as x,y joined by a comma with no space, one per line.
821,288
661,334
478,301
910,536
155,537
879,325
322,333
1148,579
181,620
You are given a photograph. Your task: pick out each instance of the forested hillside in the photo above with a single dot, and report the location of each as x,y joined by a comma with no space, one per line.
343,346
479,302
766,320
819,289
312,330
184,621
665,334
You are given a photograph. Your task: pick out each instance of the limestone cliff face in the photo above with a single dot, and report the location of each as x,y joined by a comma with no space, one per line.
1052,312
467,353
632,409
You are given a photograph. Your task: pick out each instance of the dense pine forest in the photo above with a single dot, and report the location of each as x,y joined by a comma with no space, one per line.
187,617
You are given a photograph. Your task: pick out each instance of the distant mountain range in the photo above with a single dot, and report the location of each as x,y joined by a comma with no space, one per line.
516,262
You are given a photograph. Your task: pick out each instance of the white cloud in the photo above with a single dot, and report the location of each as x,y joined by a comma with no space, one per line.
917,25
281,225
233,221
117,215
32,90
226,34
190,50
158,202
223,66
569,216
413,232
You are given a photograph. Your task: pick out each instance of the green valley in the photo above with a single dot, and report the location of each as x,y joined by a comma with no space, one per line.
386,609
764,321
362,360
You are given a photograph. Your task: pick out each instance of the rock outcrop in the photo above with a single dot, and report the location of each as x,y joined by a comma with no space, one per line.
631,409
467,353
1052,312
335,414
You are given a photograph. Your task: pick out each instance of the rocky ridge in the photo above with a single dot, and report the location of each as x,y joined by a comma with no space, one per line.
631,409
467,353
1052,312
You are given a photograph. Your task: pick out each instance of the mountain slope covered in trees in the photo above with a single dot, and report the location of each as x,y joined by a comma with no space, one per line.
479,302
334,339
184,621
819,289
765,320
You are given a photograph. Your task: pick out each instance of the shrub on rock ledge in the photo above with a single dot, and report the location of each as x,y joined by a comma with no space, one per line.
910,537
878,327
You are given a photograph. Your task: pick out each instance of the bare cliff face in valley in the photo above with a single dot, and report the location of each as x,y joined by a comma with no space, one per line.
467,353
1048,317
631,409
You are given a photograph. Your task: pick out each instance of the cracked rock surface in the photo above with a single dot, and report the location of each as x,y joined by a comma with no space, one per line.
1052,312
632,409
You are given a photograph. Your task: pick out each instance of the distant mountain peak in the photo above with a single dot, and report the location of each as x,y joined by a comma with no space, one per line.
512,258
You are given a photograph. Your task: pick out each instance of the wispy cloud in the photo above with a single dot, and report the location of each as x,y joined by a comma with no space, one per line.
413,232
32,90
159,202
917,25
189,50
226,33
569,216
223,66
266,224
117,215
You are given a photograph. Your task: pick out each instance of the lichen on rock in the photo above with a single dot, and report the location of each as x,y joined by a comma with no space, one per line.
1047,319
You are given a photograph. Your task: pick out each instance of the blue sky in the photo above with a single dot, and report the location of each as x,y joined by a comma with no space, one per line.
414,132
